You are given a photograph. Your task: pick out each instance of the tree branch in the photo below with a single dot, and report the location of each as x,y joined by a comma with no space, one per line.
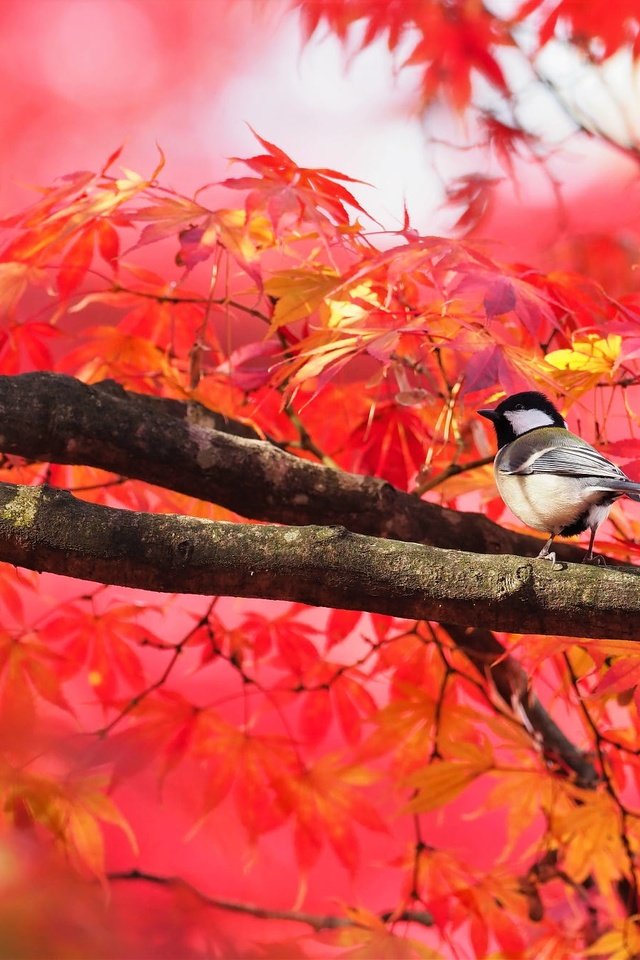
513,686
186,448
46,529
329,921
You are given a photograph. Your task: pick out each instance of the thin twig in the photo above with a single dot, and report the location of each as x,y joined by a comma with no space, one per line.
315,921
453,470
139,697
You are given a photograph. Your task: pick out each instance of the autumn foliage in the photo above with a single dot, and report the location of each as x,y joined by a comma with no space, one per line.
204,777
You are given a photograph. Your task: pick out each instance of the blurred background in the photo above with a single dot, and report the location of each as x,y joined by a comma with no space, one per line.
82,77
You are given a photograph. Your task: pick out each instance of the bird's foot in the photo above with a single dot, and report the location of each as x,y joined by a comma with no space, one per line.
547,555
595,559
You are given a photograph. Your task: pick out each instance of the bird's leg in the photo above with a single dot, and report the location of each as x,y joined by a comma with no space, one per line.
590,558
547,553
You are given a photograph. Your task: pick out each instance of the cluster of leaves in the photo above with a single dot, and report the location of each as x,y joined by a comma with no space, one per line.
452,43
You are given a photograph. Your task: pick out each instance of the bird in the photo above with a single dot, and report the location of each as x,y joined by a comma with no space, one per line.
551,479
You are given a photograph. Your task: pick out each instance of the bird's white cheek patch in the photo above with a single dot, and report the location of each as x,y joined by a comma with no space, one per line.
525,420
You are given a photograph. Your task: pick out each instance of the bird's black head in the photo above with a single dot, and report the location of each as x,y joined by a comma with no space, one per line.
521,413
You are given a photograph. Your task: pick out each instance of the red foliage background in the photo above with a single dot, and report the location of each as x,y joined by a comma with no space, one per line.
85,78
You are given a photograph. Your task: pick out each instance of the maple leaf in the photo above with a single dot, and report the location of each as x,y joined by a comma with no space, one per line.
70,220
325,799
622,675
76,261
588,828
16,587
298,293
15,277
286,191
71,811
30,668
340,623
232,761
333,692
353,704
586,362
474,192
26,346
618,943
168,217
443,780
595,30
245,763
389,444
523,794
370,937
135,361
108,240
104,643
291,637
505,141
249,367
500,298
452,39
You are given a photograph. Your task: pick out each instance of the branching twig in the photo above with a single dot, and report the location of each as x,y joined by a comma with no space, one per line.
176,649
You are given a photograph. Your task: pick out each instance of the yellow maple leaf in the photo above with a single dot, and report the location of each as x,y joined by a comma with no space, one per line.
71,811
523,794
590,835
343,308
441,781
586,361
619,943
247,238
594,354
298,293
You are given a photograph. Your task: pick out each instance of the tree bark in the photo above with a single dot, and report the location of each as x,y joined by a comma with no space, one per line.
186,448
46,529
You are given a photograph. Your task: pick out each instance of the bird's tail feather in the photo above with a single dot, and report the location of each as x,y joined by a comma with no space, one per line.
626,487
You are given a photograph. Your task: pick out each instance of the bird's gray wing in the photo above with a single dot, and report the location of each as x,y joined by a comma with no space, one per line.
566,456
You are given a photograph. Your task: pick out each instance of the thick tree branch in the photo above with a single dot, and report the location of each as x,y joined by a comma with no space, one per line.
46,529
51,417
193,450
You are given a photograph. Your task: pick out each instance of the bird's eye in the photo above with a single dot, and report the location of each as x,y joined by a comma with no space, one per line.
519,406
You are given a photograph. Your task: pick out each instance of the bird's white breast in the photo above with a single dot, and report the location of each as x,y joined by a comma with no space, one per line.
544,501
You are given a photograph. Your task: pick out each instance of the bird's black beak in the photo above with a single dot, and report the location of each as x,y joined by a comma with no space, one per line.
489,414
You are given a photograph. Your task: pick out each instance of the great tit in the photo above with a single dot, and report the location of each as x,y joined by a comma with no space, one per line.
549,478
